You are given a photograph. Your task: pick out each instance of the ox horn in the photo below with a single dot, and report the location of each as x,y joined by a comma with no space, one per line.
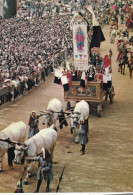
43,112
47,112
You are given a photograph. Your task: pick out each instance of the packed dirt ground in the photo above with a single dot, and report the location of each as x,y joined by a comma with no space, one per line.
107,163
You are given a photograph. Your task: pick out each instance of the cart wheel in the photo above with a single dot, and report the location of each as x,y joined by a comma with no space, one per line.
99,110
68,106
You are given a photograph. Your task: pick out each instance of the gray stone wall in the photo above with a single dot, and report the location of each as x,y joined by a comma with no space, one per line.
1,8
10,10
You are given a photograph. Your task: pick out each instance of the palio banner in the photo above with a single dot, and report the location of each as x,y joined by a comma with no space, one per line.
80,43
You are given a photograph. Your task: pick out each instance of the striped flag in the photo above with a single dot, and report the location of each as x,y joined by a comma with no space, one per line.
82,82
98,35
58,76
65,84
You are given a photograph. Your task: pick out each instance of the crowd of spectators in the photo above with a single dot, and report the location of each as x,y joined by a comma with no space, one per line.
42,9
46,8
30,47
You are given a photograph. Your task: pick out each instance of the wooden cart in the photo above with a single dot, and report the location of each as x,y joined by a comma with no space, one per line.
93,93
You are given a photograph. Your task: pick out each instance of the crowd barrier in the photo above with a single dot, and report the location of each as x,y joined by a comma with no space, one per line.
8,94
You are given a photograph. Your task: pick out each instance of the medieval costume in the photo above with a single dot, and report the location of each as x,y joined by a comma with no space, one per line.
33,123
44,168
83,134
107,61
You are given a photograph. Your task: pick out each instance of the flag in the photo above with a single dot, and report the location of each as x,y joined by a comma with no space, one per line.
57,78
65,83
106,70
98,35
90,9
69,78
105,81
82,82
109,83
80,43
88,27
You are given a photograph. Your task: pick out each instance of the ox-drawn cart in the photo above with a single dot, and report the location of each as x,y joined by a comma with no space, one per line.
97,76
93,93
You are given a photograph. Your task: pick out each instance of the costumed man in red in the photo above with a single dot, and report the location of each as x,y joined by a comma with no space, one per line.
106,61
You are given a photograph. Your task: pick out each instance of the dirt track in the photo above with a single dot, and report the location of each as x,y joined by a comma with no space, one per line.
107,164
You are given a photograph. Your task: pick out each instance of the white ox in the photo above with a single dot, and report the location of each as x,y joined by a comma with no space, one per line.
46,138
52,113
15,132
81,110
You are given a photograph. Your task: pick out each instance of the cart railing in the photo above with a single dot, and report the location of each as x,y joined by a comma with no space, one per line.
93,92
